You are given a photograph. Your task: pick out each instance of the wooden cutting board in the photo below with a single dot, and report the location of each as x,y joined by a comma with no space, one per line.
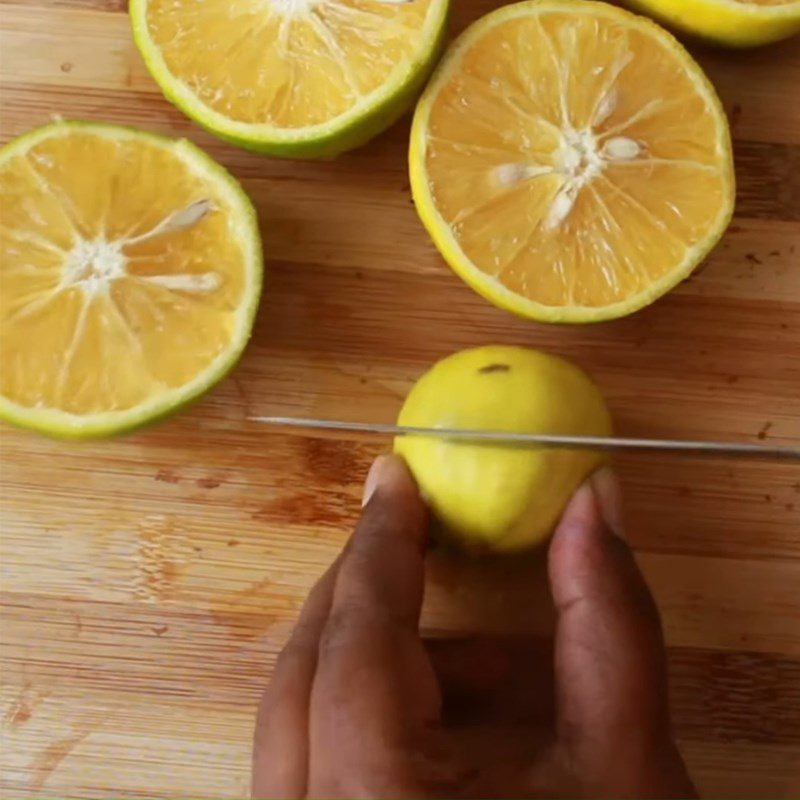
148,583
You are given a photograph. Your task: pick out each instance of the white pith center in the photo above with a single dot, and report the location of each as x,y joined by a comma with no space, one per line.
583,155
93,265
293,8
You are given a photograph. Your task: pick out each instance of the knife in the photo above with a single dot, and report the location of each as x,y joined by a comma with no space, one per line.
558,441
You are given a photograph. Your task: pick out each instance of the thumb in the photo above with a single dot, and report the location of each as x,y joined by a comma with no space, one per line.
610,659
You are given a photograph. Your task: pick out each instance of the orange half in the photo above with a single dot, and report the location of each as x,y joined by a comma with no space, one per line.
571,161
131,272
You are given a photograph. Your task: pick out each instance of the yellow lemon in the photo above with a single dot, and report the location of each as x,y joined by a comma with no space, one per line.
571,161
300,78
131,272
734,23
501,497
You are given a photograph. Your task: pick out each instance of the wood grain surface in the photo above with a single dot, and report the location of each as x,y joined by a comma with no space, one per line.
148,583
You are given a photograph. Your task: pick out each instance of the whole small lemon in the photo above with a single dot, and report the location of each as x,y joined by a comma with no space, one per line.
501,497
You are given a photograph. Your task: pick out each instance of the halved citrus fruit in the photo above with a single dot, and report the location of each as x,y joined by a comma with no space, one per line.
733,23
291,77
571,161
131,272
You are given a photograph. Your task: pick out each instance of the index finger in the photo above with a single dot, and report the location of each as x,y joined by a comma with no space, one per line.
382,570
374,683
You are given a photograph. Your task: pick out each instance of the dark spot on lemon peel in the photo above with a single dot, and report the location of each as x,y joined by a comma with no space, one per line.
490,368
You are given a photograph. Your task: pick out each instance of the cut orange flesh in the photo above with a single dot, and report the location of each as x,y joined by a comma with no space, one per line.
130,271
571,161
290,63
293,77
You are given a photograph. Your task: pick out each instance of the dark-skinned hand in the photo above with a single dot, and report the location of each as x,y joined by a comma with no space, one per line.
360,706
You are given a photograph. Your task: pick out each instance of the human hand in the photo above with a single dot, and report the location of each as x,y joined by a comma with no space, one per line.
360,706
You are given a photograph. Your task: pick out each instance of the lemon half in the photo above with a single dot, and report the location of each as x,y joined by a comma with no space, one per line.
291,77
131,272
571,161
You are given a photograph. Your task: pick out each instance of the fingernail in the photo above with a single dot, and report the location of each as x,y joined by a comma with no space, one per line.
608,492
376,476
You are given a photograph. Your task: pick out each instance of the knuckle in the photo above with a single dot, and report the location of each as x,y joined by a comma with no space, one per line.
303,639
301,646
337,632
382,520
353,631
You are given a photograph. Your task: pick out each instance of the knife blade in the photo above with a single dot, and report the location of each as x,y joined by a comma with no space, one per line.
558,441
